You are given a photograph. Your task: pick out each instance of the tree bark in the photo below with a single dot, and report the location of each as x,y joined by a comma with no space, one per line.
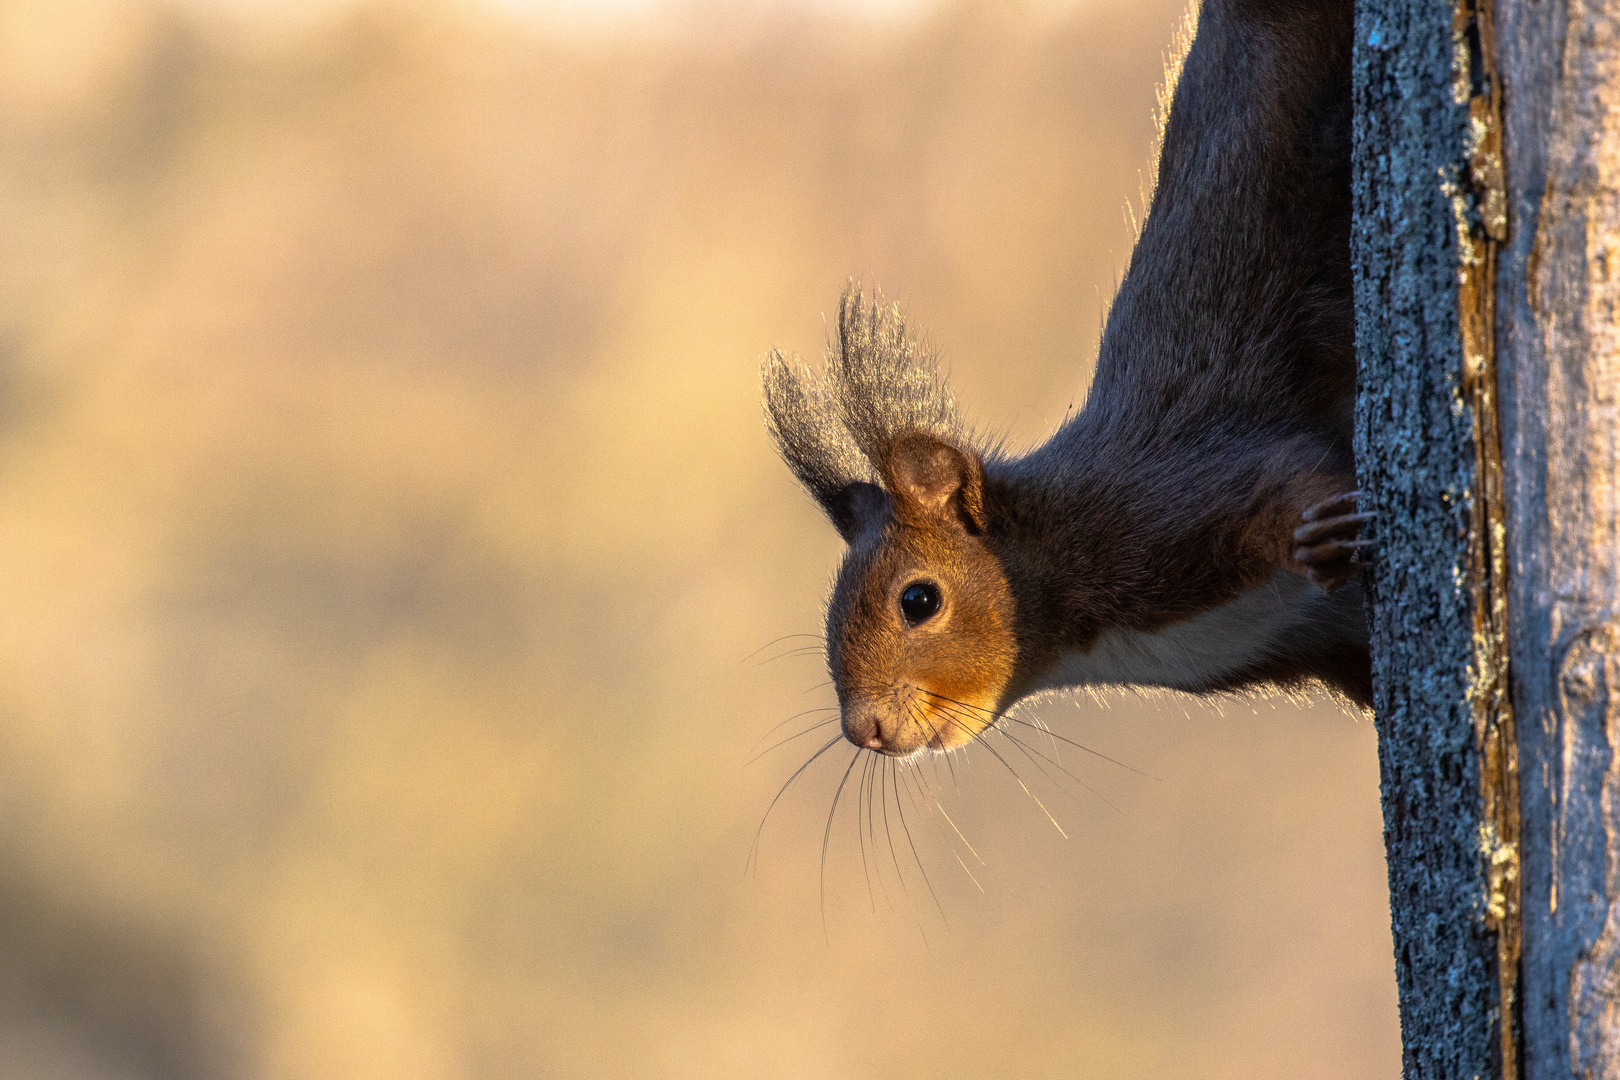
1486,246
1559,330
1429,217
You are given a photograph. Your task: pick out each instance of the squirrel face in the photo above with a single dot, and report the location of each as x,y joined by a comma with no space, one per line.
920,627
920,633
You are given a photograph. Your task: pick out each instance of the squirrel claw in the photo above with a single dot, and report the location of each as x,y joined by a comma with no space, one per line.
1334,507
1331,528
1330,541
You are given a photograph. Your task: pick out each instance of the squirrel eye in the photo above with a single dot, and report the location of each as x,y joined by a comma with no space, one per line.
919,602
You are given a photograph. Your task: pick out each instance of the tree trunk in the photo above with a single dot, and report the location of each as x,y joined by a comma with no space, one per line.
1560,352
1428,219
1440,108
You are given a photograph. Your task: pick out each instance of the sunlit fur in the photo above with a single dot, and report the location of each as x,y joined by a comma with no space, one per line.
934,684
1191,526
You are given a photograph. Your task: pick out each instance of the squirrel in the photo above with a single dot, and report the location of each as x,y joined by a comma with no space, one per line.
1194,525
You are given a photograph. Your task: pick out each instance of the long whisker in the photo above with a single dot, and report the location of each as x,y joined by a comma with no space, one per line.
826,839
995,716
872,776
784,637
860,833
790,738
798,650
978,737
888,770
1043,729
779,725
936,806
753,850
918,858
916,781
1028,750
941,808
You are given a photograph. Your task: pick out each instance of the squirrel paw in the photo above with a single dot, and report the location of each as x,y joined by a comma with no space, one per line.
1330,540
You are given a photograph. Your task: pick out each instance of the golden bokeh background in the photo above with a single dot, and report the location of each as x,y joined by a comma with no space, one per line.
386,517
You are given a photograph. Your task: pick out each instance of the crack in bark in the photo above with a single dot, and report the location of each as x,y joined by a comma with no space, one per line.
1479,210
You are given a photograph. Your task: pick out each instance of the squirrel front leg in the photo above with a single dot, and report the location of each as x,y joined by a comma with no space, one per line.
1311,527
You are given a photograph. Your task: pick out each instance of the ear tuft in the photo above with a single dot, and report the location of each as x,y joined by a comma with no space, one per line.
883,380
838,431
933,481
812,439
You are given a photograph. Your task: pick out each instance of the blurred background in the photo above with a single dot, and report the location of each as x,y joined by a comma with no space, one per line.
391,556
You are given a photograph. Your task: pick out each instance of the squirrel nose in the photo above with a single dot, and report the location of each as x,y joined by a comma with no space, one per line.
862,728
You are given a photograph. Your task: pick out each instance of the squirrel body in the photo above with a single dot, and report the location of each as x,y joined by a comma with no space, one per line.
1192,526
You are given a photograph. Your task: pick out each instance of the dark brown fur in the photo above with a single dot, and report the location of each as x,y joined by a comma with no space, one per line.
1220,413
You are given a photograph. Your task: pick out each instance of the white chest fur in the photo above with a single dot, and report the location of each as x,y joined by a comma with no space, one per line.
1190,654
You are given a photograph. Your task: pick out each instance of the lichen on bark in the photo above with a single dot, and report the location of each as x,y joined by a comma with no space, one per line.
1428,215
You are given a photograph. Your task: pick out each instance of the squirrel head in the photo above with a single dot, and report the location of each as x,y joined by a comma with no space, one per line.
920,638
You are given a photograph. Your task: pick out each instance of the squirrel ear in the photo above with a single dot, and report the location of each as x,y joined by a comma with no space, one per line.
931,479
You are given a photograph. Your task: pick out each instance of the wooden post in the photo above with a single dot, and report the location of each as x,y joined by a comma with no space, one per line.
1487,251
1559,333
1429,221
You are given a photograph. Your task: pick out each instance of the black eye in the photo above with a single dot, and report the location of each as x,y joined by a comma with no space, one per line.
919,602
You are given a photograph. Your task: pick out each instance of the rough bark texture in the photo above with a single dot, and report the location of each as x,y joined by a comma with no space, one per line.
1559,332
1423,241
